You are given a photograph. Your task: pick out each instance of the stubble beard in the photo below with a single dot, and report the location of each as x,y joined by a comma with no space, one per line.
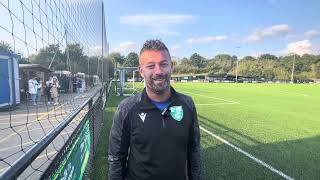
159,89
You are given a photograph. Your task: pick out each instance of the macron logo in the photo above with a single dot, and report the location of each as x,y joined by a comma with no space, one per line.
143,116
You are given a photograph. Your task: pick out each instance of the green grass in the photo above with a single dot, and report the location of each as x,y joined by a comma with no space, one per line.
277,123
100,162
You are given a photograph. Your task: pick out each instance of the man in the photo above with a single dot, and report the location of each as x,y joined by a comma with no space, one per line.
155,134
48,89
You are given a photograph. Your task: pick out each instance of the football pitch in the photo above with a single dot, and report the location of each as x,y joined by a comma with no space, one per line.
278,124
257,131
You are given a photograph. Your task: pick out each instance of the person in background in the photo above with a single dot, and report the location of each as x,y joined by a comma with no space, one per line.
54,90
79,85
48,89
39,86
33,88
74,82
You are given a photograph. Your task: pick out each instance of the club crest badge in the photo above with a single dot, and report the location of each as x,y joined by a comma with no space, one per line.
176,112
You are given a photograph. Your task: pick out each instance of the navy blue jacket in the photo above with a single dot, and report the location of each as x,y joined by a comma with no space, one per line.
147,144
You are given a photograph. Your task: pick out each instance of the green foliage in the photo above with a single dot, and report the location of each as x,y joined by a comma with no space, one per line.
50,53
267,66
132,60
197,61
268,57
116,58
4,46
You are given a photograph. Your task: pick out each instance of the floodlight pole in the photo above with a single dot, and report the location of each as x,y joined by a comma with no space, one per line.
133,80
294,58
102,44
238,47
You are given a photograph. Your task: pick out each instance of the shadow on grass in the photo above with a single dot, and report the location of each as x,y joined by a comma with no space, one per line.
226,131
299,159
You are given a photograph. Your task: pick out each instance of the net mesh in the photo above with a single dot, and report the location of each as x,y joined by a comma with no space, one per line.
52,59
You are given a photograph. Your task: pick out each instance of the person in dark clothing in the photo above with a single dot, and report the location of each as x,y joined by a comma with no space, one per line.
48,88
155,134
79,85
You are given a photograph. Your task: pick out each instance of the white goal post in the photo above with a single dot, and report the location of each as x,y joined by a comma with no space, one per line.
128,82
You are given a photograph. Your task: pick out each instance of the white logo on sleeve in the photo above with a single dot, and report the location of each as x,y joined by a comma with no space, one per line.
142,116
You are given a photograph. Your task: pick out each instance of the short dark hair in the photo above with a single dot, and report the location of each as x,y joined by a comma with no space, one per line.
154,44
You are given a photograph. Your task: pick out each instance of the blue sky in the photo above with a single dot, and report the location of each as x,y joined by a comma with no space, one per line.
212,27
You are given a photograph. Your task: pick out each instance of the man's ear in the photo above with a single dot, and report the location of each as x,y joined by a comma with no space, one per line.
140,71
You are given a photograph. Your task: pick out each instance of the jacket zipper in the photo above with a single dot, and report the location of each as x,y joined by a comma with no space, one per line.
162,115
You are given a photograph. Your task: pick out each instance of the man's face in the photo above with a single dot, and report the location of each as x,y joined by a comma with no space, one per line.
156,68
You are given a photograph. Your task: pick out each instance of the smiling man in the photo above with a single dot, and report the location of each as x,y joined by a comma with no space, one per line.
155,134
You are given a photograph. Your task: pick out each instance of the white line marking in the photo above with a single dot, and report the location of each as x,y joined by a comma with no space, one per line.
211,97
293,93
214,104
248,155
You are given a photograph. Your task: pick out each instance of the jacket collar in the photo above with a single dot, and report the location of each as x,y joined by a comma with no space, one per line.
146,101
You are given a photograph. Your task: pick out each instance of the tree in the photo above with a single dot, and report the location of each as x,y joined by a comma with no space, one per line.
58,59
78,60
197,60
46,55
268,57
132,60
186,61
4,46
248,58
222,64
116,58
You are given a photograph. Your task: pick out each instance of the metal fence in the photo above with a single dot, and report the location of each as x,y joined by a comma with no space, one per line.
75,157
42,118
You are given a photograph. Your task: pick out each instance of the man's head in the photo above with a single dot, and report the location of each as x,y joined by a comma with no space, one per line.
34,76
155,66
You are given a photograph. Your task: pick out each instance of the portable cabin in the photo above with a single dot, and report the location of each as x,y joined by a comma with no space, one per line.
9,79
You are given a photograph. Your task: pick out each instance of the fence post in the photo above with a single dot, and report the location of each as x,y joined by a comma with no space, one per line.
90,104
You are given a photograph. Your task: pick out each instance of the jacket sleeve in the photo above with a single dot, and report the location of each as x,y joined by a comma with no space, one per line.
119,144
194,156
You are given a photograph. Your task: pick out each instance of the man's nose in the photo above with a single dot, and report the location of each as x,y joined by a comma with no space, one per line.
158,69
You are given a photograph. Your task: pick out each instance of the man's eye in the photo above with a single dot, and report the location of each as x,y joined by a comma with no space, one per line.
164,64
150,66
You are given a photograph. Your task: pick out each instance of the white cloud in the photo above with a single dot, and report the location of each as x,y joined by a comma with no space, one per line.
312,33
175,48
156,20
271,31
158,24
207,39
162,32
95,51
257,54
299,47
126,47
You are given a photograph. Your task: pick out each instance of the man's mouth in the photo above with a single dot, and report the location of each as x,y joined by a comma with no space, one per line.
159,79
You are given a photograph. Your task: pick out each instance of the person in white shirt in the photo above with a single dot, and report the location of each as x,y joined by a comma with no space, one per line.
33,89
54,90
38,99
